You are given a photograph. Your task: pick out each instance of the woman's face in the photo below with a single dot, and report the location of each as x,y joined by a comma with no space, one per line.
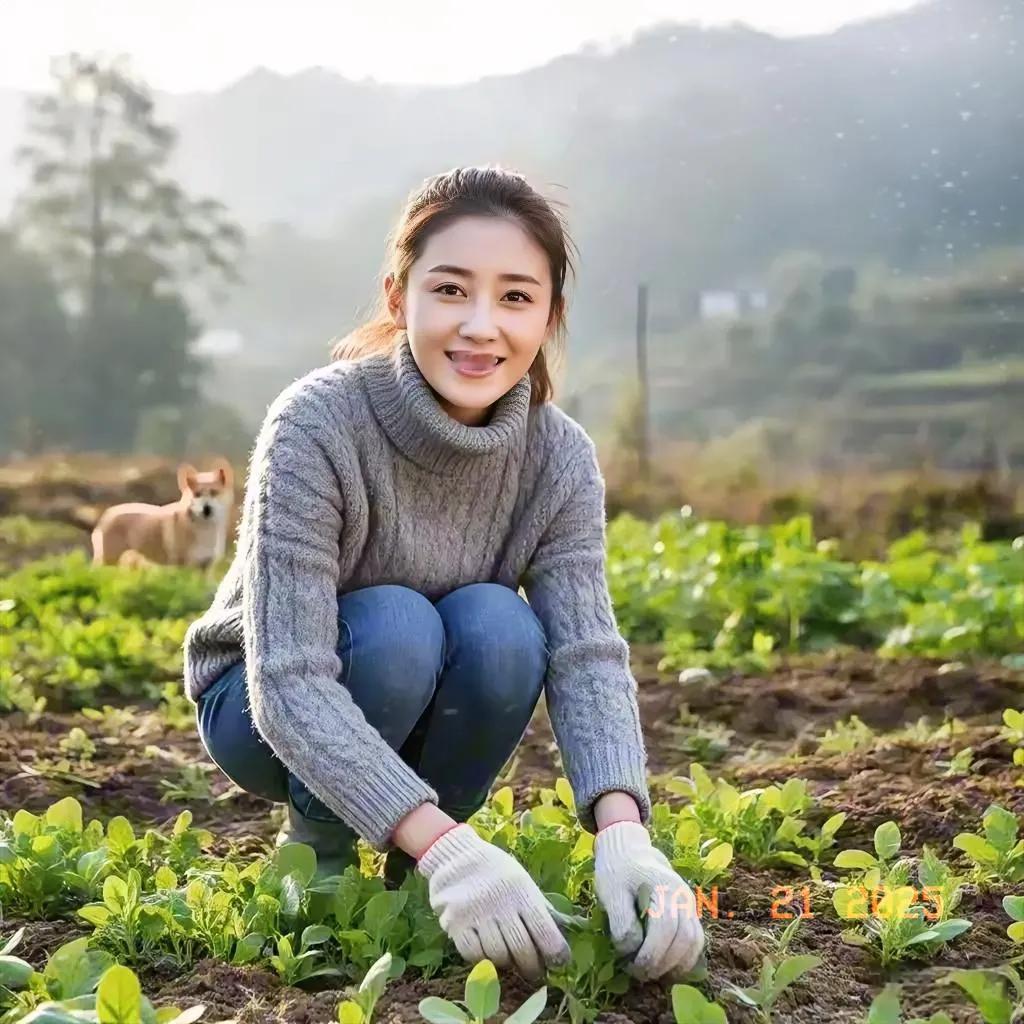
480,292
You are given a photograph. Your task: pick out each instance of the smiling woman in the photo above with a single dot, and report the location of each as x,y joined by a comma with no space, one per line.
369,658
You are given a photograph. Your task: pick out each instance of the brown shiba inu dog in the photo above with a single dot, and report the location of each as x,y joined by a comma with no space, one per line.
191,531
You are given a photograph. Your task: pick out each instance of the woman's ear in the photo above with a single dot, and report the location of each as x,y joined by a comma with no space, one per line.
396,301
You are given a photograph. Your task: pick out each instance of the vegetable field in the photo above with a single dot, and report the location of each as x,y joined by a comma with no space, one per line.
836,757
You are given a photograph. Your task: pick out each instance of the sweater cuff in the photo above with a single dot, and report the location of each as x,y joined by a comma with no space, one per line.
599,771
383,798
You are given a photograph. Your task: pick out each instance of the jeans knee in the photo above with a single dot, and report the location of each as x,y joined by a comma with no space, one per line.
495,637
396,642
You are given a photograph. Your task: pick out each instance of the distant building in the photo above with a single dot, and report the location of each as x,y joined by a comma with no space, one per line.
217,342
729,303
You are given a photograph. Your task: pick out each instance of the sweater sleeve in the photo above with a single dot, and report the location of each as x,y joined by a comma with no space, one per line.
292,522
589,689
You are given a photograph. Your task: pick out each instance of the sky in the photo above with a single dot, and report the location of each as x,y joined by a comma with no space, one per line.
187,45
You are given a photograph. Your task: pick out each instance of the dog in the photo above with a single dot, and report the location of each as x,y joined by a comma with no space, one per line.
191,531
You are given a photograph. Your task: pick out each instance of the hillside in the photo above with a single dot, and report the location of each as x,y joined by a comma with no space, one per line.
689,158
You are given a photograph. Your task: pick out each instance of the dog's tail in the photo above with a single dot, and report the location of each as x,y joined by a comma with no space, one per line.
86,516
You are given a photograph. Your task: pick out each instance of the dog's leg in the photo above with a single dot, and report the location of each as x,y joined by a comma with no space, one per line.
171,552
221,544
97,547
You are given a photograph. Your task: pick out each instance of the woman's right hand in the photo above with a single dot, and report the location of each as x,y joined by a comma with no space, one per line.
489,906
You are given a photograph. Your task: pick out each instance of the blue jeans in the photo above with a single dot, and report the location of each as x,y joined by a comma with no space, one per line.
450,685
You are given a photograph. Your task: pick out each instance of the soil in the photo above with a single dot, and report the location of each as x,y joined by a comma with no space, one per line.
775,720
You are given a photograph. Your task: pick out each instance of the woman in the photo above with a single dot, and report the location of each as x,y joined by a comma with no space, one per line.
368,657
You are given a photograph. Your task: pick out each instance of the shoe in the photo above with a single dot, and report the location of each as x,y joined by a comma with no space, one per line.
333,841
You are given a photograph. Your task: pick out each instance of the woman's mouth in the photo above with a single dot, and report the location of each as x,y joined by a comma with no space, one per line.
471,364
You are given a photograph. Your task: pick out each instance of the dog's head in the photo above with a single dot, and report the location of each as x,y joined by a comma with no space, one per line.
209,495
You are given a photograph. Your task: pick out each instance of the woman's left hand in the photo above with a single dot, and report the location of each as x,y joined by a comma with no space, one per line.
625,860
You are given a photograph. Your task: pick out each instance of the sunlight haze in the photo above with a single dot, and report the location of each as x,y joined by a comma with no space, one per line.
185,45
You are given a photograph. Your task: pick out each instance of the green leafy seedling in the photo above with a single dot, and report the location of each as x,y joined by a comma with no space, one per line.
295,968
118,999
763,825
191,785
119,996
564,911
359,1010
15,973
846,736
1013,732
482,998
885,1009
128,923
999,856
775,977
876,867
961,763
74,969
998,993
690,1007
892,920
818,845
77,745
1014,906
595,973
700,861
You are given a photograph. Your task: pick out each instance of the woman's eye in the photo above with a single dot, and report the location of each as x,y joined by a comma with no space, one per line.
441,288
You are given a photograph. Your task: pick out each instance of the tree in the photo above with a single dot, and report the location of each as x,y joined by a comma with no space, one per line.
128,247
36,345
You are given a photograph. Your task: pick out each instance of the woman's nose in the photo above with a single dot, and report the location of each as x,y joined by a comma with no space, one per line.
482,322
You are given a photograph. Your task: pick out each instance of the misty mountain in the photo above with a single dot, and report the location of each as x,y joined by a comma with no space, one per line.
689,159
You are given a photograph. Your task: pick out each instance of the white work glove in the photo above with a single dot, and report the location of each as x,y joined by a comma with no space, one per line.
489,906
624,860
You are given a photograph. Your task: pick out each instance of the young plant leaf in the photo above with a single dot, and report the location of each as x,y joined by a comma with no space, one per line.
296,859
887,840
189,1016
74,969
792,968
690,1007
885,1007
441,1011
66,814
976,848
350,1012
855,859
119,997
483,993
531,1009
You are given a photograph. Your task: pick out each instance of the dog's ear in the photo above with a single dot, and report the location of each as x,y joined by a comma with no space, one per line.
187,476
223,469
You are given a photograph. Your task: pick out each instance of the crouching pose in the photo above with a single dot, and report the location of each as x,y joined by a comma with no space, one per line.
368,658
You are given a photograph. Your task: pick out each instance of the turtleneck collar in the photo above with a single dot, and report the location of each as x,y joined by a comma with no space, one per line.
412,416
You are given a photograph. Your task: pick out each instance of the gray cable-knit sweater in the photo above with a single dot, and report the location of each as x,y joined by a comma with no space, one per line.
359,477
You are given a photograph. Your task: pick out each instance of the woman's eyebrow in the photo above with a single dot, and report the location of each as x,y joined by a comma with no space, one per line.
447,268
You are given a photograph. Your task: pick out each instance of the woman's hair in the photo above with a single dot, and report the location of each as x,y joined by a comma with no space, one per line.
490,191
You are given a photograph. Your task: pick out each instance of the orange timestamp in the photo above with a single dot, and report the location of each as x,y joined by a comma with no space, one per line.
861,903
